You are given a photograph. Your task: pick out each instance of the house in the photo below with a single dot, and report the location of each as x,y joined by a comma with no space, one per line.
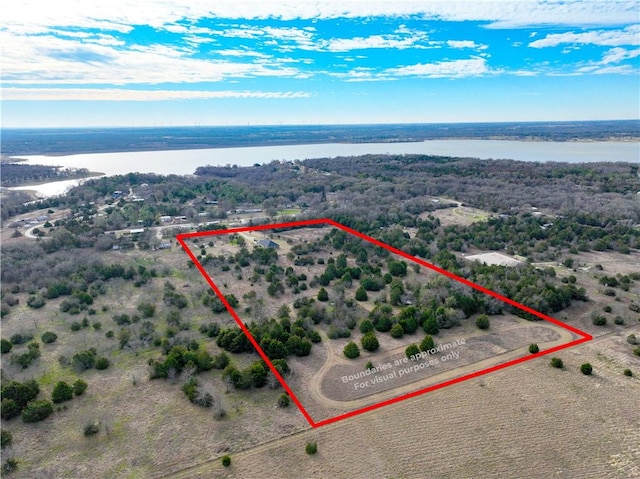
267,243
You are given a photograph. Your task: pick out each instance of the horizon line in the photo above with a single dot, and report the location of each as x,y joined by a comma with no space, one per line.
317,124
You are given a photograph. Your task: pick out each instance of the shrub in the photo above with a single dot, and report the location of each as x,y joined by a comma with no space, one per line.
5,438
76,326
323,295
83,360
35,302
586,369
20,338
5,346
109,334
607,309
636,351
351,350
37,411
396,331
482,322
631,339
370,342
61,392
221,361
627,372
427,343
226,461
430,326
366,326
102,363
10,408
91,428
190,388
599,320
311,448
48,337
203,399
557,363
20,393
361,294
411,350
534,349
148,310
79,387
283,400
10,464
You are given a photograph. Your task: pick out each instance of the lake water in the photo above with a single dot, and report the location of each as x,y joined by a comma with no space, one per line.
183,162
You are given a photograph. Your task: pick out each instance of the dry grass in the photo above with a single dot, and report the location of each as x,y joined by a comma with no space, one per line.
526,421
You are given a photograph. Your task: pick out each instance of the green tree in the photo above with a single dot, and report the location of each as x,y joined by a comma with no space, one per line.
5,346
283,400
79,387
311,448
557,363
366,326
48,337
599,320
323,295
396,331
482,322
427,343
370,342
102,363
61,392
148,310
83,360
226,461
351,350
430,326
5,438
361,294
21,393
412,350
398,268
37,411
9,408
534,349
586,369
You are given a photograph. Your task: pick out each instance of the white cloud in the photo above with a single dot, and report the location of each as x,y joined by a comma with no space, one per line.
617,54
466,44
452,69
119,15
606,70
374,41
626,36
114,94
49,59
236,52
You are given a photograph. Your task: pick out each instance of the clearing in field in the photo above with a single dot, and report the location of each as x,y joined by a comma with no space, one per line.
329,358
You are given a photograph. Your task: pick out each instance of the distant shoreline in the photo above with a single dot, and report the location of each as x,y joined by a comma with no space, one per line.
17,158
17,142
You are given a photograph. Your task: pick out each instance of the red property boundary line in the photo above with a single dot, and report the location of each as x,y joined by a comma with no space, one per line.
584,337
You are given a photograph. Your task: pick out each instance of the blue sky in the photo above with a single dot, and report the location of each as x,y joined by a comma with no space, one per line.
230,62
